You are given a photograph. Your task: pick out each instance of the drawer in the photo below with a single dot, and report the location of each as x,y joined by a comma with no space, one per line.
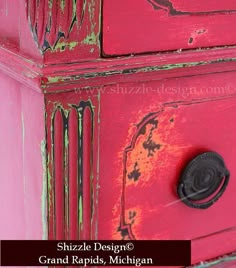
131,26
147,146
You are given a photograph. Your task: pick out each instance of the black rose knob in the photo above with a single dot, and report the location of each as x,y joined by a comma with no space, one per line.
203,181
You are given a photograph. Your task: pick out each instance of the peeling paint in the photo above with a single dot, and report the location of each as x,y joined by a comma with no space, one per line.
216,262
56,23
80,211
90,39
50,3
66,139
80,124
65,113
62,5
49,183
62,46
56,79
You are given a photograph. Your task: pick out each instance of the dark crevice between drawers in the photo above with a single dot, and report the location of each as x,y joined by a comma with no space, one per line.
161,53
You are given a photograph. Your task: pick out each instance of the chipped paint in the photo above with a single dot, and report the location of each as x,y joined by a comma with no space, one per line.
50,3
167,67
65,112
149,140
66,139
55,79
44,190
91,39
80,211
65,115
56,23
80,124
49,184
168,7
221,260
62,46
62,5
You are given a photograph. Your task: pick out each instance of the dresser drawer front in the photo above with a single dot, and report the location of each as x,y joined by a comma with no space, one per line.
165,25
148,140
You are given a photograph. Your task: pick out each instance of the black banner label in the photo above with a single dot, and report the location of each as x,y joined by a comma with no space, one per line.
95,253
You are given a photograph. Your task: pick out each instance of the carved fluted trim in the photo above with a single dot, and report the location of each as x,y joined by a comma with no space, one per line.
52,20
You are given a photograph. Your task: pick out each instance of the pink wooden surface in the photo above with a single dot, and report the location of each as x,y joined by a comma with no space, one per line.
22,195
9,26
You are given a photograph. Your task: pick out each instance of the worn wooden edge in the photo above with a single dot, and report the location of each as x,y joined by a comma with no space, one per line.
226,259
95,73
19,66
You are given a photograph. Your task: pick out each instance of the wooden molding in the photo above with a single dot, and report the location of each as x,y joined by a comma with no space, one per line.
65,30
70,154
66,77
52,20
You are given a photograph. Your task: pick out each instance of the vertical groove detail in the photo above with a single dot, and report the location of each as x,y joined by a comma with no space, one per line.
53,20
87,182
71,177
59,174
66,175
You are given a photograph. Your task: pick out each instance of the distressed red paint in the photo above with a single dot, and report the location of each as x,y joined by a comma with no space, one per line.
119,130
191,24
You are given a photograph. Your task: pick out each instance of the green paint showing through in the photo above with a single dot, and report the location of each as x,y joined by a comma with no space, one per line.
80,125
175,66
50,165
66,170
62,5
74,8
62,46
213,263
66,139
49,185
80,211
50,4
56,79
72,45
44,190
90,39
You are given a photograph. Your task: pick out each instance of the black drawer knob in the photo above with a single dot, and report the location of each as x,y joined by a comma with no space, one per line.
203,181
